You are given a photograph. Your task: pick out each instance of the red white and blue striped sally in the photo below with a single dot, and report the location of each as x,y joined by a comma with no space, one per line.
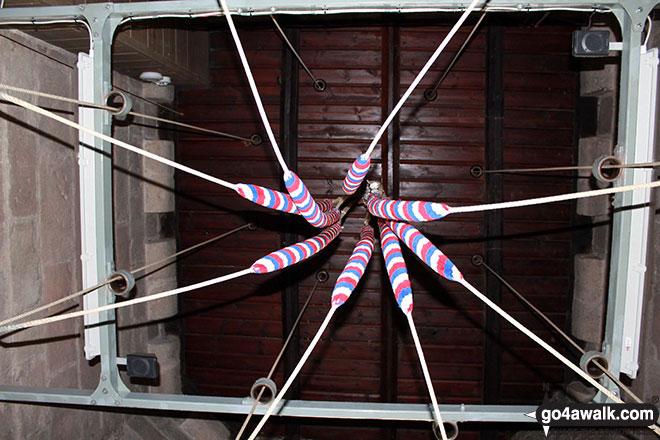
396,268
413,211
267,198
426,251
357,264
356,174
296,253
307,207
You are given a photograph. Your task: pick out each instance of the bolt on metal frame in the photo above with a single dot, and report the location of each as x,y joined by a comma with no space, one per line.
104,18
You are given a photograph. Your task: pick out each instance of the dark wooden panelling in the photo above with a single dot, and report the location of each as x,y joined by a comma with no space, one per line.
427,156
539,86
239,322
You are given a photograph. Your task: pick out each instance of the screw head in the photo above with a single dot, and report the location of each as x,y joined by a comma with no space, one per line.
104,391
320,85
93,402
430,94
476,171
639,10
638,26
322,276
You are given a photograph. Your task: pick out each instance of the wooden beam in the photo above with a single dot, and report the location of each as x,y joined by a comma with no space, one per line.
289,145
390,172
493,219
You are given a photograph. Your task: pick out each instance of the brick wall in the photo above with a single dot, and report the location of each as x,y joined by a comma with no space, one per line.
40,244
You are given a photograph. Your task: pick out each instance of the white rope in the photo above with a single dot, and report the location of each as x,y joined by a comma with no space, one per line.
427,377
36,322
116,142
420,75
293,374
552,199
545,345
253,87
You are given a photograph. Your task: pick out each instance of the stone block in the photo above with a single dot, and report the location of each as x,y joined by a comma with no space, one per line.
141,428
63,376
66,424
167,349
25,267
123,244
164,307
22,155
58,207
589,297
160,226
589,150
160,94
204,429
58,282
598,75
157,251
155,171
158,198
607,114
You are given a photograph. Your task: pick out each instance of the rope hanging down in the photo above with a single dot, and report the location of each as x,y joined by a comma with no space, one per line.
253,86
404,98
416,211
319,84
398,275
136,114
277,359
133,272
354,270
461,280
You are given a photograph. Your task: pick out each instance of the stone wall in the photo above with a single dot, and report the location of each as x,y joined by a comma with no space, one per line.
40,244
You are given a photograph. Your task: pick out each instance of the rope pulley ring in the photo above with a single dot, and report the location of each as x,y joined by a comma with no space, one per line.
430,94
124,283
269,390
477,260
320,85
126,104
451,429
252,227
603,174
256,139
588,364
476,171
322,276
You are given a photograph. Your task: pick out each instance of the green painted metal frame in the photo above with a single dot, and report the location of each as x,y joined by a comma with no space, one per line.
104,18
